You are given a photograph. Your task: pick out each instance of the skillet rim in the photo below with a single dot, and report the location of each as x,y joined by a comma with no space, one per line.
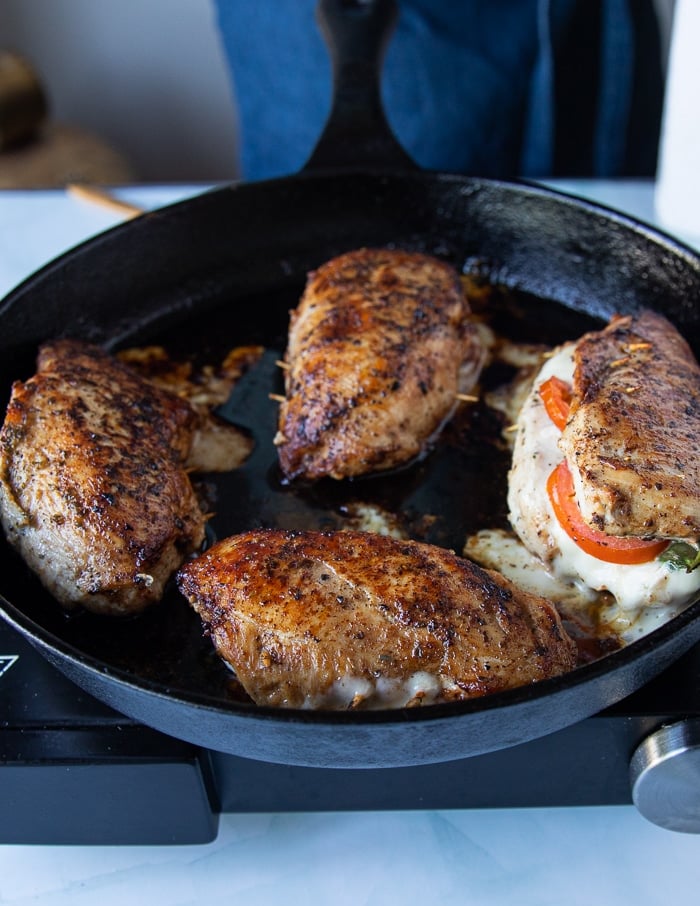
626,656
656,234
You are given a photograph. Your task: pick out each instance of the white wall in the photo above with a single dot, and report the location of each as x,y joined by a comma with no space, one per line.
148,76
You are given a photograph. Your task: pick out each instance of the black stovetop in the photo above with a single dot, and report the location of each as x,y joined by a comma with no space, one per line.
74,771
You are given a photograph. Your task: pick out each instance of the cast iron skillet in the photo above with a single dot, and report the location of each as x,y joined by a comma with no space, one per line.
222,270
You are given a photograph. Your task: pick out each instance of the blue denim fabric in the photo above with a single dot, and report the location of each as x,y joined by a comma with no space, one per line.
469,86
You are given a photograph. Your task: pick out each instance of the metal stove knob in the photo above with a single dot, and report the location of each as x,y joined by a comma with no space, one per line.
665,776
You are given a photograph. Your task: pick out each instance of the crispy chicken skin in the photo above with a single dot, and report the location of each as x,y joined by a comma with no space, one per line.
93,492
378,348
633,435
354,619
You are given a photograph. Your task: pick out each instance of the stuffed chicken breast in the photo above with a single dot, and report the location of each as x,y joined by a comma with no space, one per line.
353,619
605,481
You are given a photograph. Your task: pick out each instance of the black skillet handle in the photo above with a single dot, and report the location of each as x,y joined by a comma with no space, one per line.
357,133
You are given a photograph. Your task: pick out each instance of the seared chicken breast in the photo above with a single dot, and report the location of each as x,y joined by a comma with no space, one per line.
604,484
353,619
378,349
632,440
93,489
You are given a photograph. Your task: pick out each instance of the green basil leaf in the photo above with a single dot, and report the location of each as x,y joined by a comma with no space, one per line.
681,555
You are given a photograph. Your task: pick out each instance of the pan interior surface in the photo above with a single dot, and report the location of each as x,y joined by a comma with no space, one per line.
223,271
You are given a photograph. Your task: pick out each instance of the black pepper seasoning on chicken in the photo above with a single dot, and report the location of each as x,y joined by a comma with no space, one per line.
353,619
379,347
93,488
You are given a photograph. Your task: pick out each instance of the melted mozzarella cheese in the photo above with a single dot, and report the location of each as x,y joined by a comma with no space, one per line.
350,692
646,594
369,517
502,551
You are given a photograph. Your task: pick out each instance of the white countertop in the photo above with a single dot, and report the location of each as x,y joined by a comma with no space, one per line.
530,856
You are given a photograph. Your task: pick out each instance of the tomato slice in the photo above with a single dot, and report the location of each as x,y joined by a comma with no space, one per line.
556,396
611,549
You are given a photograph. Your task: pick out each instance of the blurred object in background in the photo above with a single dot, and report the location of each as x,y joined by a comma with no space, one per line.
37,153
22,101
148,78
678,178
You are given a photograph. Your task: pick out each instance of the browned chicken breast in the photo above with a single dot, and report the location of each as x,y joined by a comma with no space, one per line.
604,485
93,492
378,348
350,619
632,440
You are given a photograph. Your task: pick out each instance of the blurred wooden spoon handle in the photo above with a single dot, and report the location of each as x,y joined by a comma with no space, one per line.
96,195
